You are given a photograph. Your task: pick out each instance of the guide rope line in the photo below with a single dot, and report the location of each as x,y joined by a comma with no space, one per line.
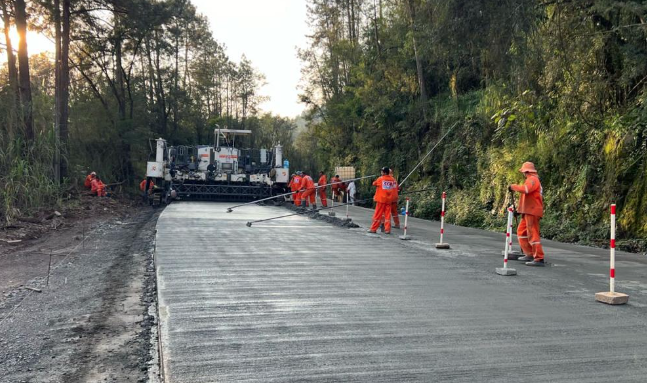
249,224
231,208
428,153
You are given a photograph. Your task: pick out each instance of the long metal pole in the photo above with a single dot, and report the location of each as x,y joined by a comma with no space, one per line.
249,224
231,208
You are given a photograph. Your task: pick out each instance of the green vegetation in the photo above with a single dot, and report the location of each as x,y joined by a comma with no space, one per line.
559,83
123,72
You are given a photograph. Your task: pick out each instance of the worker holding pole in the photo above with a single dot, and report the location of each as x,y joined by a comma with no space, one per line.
294,188
308,191
384,186
531,208
322,190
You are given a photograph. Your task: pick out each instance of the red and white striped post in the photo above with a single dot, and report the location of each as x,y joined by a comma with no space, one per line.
441,244
406,216
511,253
611,297
506,247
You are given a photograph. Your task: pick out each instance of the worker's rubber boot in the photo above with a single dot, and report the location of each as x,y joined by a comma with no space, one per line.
382,228
526,258
314,207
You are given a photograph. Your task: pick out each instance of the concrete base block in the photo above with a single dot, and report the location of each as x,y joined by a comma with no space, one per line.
612,298
442,246
506,271
516,254
404,237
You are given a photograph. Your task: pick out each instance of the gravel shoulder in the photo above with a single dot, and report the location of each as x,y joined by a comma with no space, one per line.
94,321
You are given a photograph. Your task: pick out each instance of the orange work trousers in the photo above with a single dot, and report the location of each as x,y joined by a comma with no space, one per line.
528,234
322,196
382,212
394,214
309,194
297,198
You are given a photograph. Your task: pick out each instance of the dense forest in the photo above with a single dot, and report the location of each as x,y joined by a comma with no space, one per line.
561,83
120,73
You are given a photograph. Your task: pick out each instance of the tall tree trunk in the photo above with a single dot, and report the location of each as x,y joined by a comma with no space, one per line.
421,76
56,10
23,66
11,57
64,93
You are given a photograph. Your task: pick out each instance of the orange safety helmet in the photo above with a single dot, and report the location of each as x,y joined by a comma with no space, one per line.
528,167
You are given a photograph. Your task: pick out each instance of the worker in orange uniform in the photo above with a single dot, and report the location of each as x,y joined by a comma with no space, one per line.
291,186
142,185
334,185
295,187
88,180
323,180
308,191
531,208
98,188
383,197
394,207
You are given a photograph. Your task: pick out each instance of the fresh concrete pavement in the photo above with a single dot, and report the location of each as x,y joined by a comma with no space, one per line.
298,299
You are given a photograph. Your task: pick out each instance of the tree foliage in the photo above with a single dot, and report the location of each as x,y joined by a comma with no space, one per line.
559,83
137,70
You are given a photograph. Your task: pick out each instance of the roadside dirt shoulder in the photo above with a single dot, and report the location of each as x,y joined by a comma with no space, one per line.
91,323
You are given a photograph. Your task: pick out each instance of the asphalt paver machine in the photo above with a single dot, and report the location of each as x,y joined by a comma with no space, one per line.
217,172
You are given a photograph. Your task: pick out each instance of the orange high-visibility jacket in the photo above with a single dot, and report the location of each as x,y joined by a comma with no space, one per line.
307,183
295,183
531,201
384,189
98,187
323,180
334,185
142,185
88,181
396,193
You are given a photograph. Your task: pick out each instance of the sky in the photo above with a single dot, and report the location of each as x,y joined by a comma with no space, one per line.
267,32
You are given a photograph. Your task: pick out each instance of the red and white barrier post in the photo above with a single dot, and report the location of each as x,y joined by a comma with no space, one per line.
506,247
332,206
612,297
511,253
441,244
406,216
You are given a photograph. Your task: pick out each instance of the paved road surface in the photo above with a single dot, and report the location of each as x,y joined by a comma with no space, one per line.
301,300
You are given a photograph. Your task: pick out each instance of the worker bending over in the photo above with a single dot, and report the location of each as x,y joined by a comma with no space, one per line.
88,180
384,186
294,188
531,208
322,188
142,185
308,191
98,188
335,186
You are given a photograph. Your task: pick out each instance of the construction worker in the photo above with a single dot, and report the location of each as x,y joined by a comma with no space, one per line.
142,185
394,207
383,198
351,189
98,188
531,208
308,191
88,180
323,180
291,186
296,188
336,182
